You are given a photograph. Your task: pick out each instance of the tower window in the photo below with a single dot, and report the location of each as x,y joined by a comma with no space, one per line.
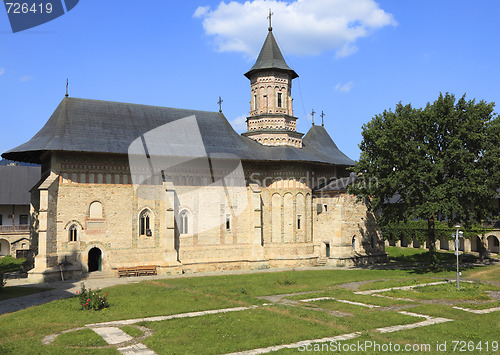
255,102
228,222
299,222
73,234
280,100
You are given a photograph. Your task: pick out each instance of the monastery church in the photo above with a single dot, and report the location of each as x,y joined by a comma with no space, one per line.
179,190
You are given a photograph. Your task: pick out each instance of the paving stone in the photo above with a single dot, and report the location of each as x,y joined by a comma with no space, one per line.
113,335
478,311
138,348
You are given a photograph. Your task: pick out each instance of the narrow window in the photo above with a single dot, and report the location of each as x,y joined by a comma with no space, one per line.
255,102
325,207
228,222
299,224
144,224
354,243
184,222
280,104
1,220
73,234
23,219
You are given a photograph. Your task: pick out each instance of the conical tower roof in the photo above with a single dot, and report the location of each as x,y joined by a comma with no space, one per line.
270,57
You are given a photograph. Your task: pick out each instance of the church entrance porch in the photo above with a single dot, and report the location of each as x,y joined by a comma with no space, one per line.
95,260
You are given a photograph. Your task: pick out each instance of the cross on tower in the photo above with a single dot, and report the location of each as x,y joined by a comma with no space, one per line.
270,17
67,85
312,115
322,118
220,104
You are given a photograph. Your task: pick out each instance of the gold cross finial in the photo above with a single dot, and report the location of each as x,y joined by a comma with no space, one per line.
67,86
270,17
312,115
322,118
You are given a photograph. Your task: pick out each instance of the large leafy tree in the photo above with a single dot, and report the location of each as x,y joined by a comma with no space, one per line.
441,162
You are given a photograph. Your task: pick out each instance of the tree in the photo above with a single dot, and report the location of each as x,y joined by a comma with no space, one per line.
9,264
437,163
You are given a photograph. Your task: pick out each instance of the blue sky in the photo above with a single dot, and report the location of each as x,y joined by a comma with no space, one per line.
355,58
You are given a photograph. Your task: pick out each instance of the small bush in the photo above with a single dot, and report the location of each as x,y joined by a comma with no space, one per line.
92,299
285,281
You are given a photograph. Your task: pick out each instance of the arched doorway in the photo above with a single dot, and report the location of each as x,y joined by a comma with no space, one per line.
4,247
95,259
493,244
475,243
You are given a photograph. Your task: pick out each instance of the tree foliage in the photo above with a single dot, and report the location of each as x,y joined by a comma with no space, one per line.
435,163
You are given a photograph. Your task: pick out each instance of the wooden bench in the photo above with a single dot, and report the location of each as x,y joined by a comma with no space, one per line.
144,270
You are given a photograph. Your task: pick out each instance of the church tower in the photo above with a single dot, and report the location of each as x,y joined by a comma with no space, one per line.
271,121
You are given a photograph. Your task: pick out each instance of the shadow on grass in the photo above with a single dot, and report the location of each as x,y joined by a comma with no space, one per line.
419,261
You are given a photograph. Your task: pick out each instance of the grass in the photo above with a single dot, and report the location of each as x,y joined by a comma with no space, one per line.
348,295
80,338
468,292
417,256
8,292
21,332
132,331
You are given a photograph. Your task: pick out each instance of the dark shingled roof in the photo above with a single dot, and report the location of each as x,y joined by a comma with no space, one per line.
16,182
318,142
270,57
81,125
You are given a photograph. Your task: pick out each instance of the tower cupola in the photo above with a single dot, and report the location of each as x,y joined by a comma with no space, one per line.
271,121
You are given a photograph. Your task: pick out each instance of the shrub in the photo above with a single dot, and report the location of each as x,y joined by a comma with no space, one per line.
9,264
285,281
92,299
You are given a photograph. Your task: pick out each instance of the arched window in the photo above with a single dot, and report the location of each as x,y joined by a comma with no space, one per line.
95,210
354,243
73,233
184,222
145,220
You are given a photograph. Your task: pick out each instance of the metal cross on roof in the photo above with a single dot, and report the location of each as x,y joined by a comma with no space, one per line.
220,104
270,17
322,118
312,115
67,85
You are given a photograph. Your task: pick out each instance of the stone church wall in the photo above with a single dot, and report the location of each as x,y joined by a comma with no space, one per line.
345,232
274,222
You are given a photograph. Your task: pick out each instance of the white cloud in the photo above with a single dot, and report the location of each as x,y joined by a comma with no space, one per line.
201,11
303,27
25,78
239,124
2,71
345,87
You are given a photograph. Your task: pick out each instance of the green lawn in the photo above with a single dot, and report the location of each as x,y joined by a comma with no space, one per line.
21,332
17,291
